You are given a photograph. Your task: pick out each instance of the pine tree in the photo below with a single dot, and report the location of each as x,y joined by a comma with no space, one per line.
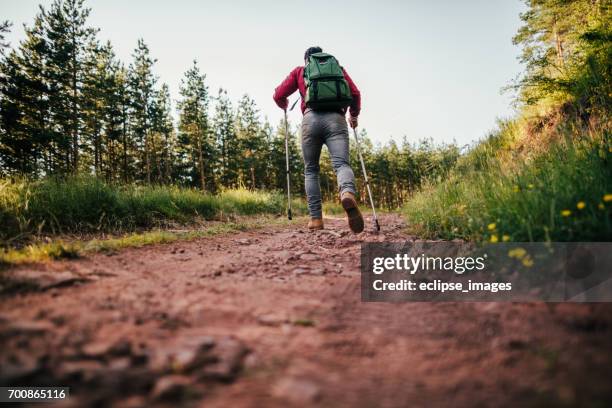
142,91
267,135
27,135
194,125
102,114
163,129
563,41
93,104
68,36
227,141
5,27
123,104
252,144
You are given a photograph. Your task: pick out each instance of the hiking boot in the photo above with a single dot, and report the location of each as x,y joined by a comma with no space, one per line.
315,224
355,219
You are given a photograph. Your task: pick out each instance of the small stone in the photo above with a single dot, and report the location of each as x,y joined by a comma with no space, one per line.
25,327
120,364
284,255
229,354
83,370
298,391
183,355
101,348
170,387
96,349
309,257
272,320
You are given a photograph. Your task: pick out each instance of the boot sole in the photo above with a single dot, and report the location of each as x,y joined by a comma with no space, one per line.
355,219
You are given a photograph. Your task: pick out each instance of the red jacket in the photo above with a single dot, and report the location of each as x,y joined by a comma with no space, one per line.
295,81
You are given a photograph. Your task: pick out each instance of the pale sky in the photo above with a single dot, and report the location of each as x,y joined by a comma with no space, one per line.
425,68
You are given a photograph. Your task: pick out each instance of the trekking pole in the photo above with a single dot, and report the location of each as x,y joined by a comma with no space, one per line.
287,163
365,177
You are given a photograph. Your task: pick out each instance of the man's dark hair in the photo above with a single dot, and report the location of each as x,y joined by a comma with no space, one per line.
310,51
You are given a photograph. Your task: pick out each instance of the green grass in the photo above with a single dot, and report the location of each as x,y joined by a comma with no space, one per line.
60,249
36,253
560,193
88,205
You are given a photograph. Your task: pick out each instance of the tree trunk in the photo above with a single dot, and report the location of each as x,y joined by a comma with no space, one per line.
124,140
97,154
200,161
111,161
558,44
147,158
157,163
166,159
75,124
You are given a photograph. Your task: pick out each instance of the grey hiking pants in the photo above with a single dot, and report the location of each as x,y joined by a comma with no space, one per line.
329,128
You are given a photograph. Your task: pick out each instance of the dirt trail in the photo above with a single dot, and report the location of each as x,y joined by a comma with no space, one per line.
273,318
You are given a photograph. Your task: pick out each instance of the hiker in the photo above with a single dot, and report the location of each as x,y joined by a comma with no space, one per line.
327,92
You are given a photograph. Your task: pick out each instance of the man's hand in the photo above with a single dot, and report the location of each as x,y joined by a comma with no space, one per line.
353,121
283,104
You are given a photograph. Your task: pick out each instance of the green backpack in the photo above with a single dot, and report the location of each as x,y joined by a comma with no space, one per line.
326,87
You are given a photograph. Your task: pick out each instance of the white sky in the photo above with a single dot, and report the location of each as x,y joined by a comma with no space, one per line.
425,68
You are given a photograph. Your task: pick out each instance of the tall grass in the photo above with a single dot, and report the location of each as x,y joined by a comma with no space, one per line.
563,192
90,205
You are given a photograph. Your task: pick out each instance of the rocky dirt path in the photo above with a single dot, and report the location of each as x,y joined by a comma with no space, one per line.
273,318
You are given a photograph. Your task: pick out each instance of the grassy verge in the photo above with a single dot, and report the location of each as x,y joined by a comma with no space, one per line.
88,205
61,249
562,192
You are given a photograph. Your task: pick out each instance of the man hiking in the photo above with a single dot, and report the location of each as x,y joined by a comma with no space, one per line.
327,92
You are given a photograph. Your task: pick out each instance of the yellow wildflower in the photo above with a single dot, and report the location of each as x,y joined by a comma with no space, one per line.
580,205
494,238
516,189
607,198
491,226
601,206
566,213
530,186
517,253
527,261
505,238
